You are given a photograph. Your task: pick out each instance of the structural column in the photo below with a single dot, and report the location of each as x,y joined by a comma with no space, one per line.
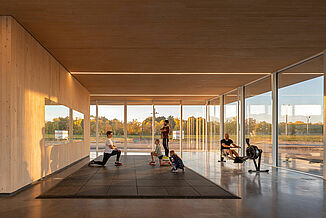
238,117
324,129
221,125
206,125
275,118
71,125
222,116
153,126
197,133
242,141
125,130
181,128
96,129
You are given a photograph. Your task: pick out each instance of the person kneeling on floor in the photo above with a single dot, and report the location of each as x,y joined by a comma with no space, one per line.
110,150
158,153
176,162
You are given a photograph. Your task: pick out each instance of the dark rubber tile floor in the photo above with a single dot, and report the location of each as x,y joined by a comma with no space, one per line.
135,179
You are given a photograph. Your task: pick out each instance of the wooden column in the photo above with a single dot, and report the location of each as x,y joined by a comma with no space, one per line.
125,130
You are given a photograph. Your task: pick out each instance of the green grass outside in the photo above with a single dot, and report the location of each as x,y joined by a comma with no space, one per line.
289,138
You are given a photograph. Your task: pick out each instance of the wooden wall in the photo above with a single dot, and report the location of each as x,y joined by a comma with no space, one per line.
28,75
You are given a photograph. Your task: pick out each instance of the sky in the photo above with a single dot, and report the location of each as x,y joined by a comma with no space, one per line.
298,101
54,111
141,112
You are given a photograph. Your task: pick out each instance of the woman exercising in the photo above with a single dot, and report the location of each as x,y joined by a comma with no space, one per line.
227,144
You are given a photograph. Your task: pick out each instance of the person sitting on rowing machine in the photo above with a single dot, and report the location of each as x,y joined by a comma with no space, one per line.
227,144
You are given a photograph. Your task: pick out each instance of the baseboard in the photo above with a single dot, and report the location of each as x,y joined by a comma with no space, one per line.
45,177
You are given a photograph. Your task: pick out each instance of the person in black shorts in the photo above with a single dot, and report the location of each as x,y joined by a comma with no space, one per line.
227,144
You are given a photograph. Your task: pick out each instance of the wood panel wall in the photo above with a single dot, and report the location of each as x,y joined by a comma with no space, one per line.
28,75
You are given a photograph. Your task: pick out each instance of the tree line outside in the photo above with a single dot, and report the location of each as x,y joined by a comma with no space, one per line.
135,128
296,131
62,123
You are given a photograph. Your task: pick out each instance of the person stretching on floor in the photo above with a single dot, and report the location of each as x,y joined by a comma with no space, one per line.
158,153
110,150
176,162
227,144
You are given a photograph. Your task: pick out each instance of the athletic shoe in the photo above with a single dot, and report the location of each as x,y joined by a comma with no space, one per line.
118,164
174,171
165,158
90,163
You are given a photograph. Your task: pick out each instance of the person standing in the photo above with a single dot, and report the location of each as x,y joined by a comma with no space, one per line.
165,130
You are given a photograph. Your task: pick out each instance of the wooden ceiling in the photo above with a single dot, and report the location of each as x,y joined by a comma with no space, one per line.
179,36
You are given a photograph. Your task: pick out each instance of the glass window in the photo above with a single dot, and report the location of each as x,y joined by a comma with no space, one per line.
56,123
231,125
301,91
194,127
78,125
213,125
258,118
93,122
139,127
172,114
111,118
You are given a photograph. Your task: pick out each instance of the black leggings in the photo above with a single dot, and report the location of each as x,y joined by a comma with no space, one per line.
107,156
166,146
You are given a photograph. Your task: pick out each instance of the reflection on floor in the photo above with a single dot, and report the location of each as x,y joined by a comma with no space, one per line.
280,193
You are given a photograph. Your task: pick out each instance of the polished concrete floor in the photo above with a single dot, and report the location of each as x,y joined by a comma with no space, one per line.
280,193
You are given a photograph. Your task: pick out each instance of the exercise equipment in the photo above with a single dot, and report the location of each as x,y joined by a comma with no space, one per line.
252,152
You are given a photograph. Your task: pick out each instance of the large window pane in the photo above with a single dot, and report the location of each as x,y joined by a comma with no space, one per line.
56,123
171,113
301,117
139,127
258,118
213,125
194,127
78,125
231,103
111,118
93,123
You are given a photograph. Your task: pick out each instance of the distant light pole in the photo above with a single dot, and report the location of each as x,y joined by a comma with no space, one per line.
308,121
286,118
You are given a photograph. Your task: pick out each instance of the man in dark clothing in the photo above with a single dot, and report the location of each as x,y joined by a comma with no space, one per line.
165,130
227,144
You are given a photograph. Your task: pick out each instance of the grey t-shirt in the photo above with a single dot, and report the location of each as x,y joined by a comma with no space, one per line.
158,150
